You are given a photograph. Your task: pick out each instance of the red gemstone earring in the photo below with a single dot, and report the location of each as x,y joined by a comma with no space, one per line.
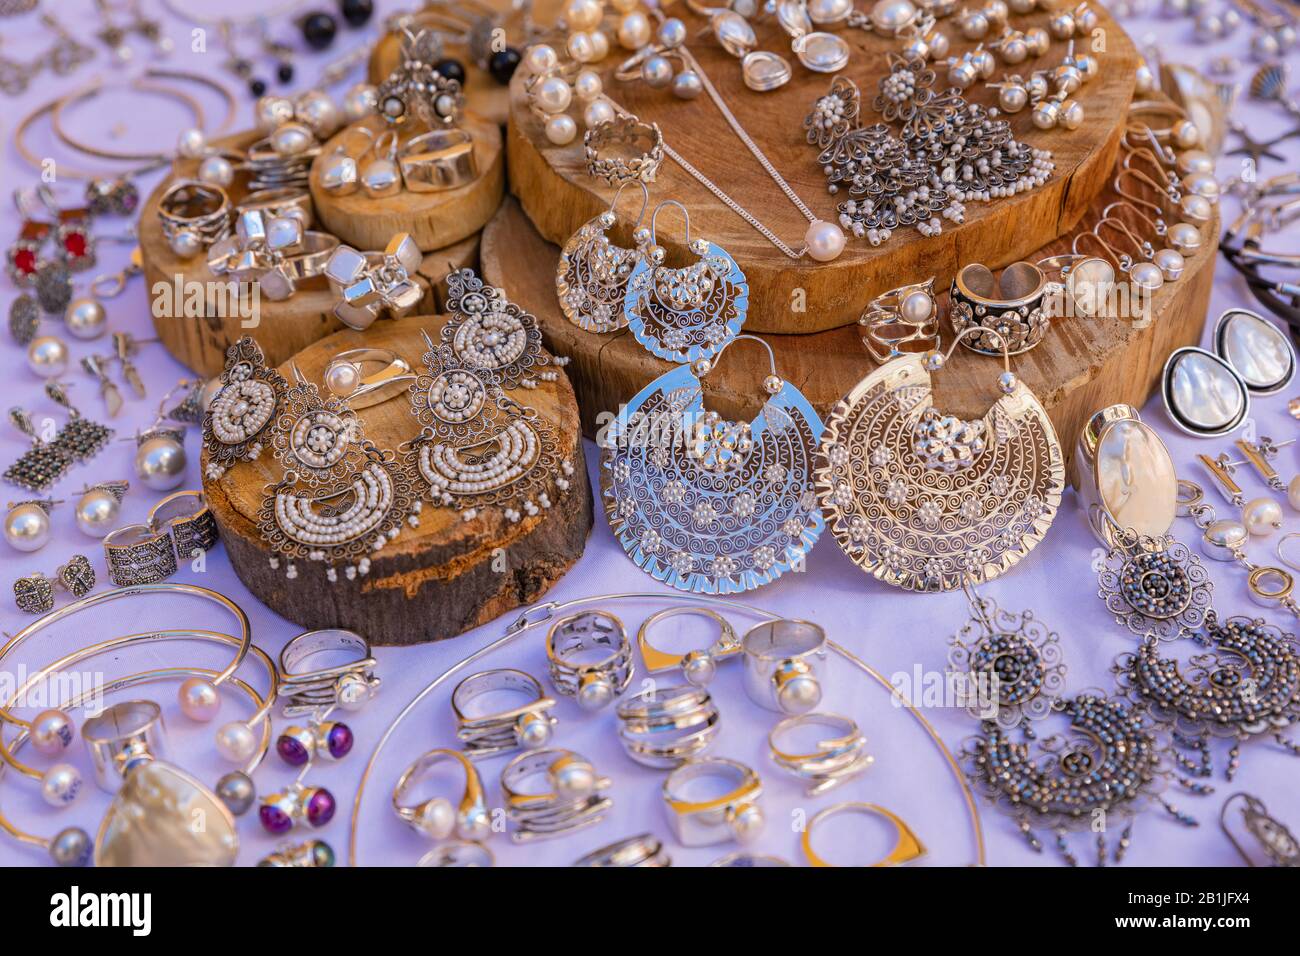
73,241
23,257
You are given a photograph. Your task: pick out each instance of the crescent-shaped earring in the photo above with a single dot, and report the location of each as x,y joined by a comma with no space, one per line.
924,500
340,499
592,274
688,313
706,504
236,422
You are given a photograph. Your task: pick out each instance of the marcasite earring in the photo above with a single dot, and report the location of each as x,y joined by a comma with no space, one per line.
42,464
688,313
705,504
592,275
923,500
34,593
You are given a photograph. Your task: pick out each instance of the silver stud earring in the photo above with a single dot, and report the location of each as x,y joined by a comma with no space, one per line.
34,593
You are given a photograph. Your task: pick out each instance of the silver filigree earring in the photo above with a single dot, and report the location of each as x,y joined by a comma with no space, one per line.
340,498
688,313
478,446
705,504
592,274
238,417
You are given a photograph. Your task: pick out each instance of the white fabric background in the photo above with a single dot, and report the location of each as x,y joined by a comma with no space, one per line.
894,631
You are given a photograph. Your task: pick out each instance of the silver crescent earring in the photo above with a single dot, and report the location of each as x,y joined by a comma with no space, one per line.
592,275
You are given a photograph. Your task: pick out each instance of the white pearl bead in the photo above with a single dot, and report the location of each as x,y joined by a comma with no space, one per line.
554,95
917,307
583,14
634,31
1293,492
85,318
185,244
47,356
317,109
192,143
61,784
342,378
597,113
561,129
51,732
360,101
587,85
27,527
272,111
160,462
97,512
236,741
199,699
438,818
217,171
581,47
1262,516
540,58
825,240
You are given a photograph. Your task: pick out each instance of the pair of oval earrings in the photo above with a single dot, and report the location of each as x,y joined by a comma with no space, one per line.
678,314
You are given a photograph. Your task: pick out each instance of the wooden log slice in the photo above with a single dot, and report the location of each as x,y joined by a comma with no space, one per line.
435,220
1080,366
803,296
197,331
437,580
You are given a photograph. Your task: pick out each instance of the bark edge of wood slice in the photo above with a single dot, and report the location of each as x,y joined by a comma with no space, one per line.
434,581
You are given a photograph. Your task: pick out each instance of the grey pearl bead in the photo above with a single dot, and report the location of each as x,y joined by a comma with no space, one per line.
237,792
71,847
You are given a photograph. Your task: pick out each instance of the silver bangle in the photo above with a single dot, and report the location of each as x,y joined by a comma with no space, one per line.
594,683
644,849
666,730
349,685
526,727
572,801
779,671
735,815
831,761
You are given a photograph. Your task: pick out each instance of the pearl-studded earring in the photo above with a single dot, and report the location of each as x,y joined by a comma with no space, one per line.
27,525
160,458
99,506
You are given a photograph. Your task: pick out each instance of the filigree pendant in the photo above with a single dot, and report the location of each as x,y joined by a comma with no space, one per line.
923,500
705,504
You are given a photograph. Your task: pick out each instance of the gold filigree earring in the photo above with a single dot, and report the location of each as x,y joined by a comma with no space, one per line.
924,500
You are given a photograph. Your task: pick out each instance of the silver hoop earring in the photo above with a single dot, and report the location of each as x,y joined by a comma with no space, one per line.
592,275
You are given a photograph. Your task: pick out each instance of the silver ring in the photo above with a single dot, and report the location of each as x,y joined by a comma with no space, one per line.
345,376
779,666
644,849
139,554
902,321
572,798
526,727
348,685
572,641
667,729
702,819
831,761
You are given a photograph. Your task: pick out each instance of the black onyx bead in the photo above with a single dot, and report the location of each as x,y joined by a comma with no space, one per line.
257,87
285,72
318,30
357,12
502,64
451,70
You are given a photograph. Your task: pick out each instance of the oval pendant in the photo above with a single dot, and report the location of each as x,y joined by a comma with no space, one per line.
1202,393
1257,350
764,71
151,822
708,505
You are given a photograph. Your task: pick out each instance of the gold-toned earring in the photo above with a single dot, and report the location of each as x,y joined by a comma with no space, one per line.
924,500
